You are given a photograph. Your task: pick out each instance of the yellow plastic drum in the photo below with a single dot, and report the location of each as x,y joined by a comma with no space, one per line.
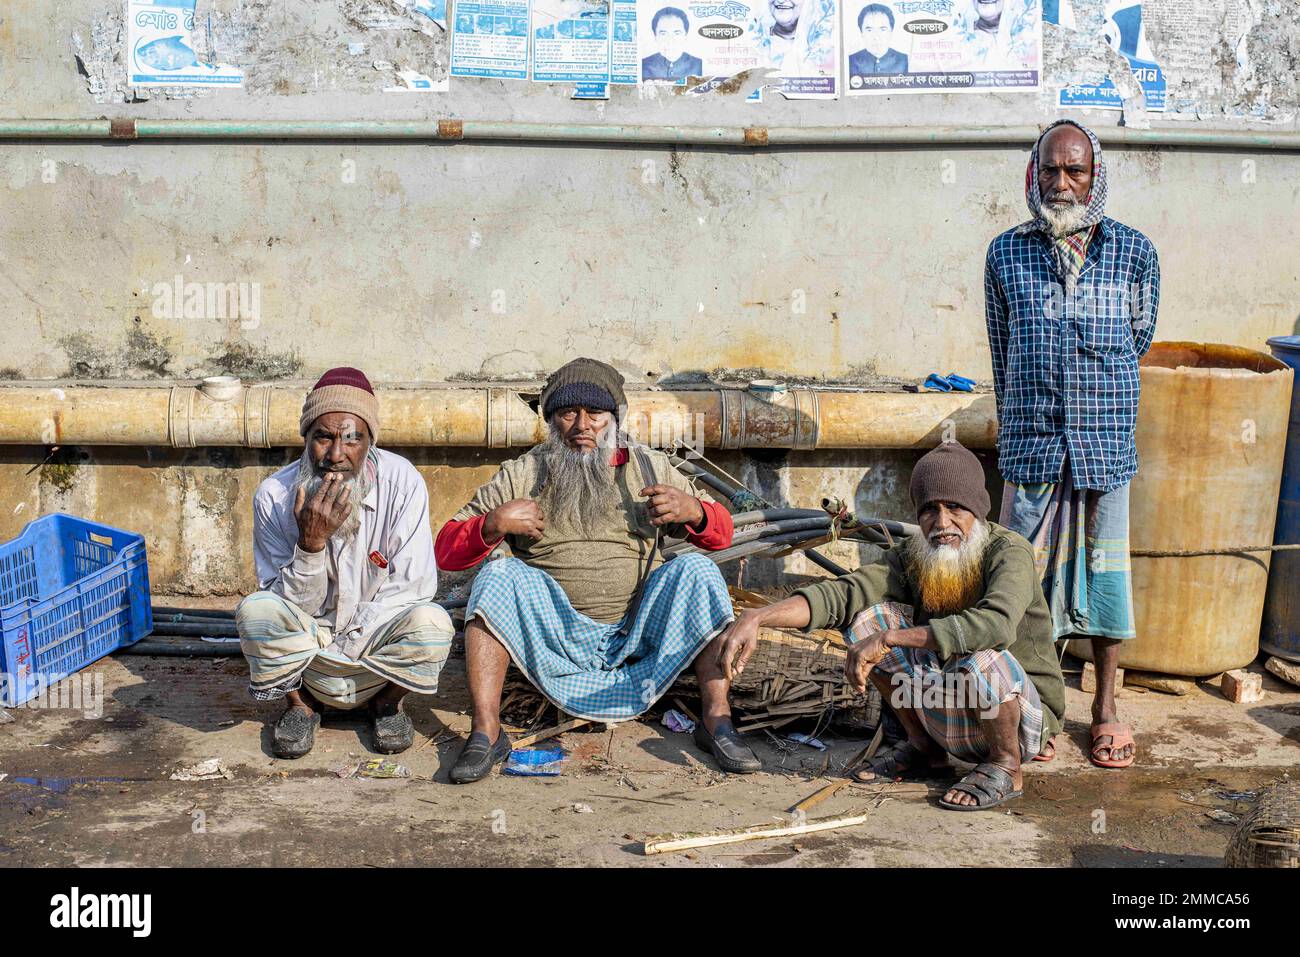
1211,435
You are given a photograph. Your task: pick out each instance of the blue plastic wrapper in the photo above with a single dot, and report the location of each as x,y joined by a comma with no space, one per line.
535,762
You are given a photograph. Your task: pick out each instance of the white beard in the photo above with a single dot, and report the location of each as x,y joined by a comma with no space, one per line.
1064,220
310,477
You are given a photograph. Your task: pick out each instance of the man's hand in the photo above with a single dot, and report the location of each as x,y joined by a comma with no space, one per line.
672,506
321,517
738,643
520,516
863,656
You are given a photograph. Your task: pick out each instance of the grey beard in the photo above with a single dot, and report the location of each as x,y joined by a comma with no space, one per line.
311,478
1064,221
580,491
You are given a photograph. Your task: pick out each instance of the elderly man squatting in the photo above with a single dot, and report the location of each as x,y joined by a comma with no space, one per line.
344,558
953,630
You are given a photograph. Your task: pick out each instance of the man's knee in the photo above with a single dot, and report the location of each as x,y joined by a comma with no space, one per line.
259,608
427,618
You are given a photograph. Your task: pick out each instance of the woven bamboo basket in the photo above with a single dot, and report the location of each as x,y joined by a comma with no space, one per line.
794,675
1269,833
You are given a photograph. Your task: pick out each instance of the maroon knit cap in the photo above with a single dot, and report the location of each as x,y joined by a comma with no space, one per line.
345,375
341,390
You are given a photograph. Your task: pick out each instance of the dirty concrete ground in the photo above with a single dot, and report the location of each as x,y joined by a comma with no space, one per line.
100,792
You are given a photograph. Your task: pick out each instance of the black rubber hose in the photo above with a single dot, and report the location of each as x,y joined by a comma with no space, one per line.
182,614
752,532
759,545
776,515
705,476
731,493
175,649
196,629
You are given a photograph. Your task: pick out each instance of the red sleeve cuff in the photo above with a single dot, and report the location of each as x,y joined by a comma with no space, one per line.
460,544
717,531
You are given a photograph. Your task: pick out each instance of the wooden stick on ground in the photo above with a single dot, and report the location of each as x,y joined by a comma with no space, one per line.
666,843
866,754
550,732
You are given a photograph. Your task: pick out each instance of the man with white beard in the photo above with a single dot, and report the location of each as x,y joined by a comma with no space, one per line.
1070,301
952,629
344,557
585,606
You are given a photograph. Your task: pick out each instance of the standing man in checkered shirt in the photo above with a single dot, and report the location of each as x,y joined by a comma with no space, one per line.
1070,299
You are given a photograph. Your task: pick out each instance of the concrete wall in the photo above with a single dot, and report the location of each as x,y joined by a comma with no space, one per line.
500,261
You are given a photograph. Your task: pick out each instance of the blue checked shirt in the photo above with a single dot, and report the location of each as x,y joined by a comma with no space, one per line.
1066,370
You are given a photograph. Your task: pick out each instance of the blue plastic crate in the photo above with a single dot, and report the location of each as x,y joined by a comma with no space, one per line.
71,591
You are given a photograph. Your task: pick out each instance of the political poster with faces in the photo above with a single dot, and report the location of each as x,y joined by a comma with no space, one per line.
796,40
942,46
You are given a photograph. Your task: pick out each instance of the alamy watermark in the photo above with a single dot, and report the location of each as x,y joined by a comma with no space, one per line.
179,299
79,692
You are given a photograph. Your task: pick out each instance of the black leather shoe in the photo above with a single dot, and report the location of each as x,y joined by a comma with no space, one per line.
726,746
478,757
391,733
295,734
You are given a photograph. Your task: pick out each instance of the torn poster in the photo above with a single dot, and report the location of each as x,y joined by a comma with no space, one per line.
490,39
928,46
623,66
435,10
414,81
797,38
1123,32
161,47
571,40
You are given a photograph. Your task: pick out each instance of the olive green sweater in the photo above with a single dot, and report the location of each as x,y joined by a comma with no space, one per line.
1011,614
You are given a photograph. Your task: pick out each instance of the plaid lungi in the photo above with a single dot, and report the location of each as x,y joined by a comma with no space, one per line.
287,648
950,697
597,670
1081,548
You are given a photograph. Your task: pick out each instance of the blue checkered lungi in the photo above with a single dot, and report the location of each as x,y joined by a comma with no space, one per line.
598,670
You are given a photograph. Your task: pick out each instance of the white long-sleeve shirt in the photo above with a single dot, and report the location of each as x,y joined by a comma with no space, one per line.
356,587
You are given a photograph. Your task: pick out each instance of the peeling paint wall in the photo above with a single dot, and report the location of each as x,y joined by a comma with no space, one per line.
472,261
500,260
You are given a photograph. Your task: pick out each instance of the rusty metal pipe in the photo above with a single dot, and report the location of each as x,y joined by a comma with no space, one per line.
188,415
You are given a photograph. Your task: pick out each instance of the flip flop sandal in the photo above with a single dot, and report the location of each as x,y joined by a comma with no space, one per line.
989,785
904,760
1119,735
1045,757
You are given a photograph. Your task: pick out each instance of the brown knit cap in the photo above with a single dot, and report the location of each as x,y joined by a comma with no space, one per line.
342,390
588,382
950,473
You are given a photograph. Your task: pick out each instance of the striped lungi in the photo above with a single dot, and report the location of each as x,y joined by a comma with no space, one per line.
1081,548
287,648
951,697
597,670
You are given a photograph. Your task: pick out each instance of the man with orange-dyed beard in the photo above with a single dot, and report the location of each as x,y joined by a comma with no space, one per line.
952,629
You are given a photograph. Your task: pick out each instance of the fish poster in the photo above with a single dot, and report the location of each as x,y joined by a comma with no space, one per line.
571,41
943,46
490,39
162,51
797,40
